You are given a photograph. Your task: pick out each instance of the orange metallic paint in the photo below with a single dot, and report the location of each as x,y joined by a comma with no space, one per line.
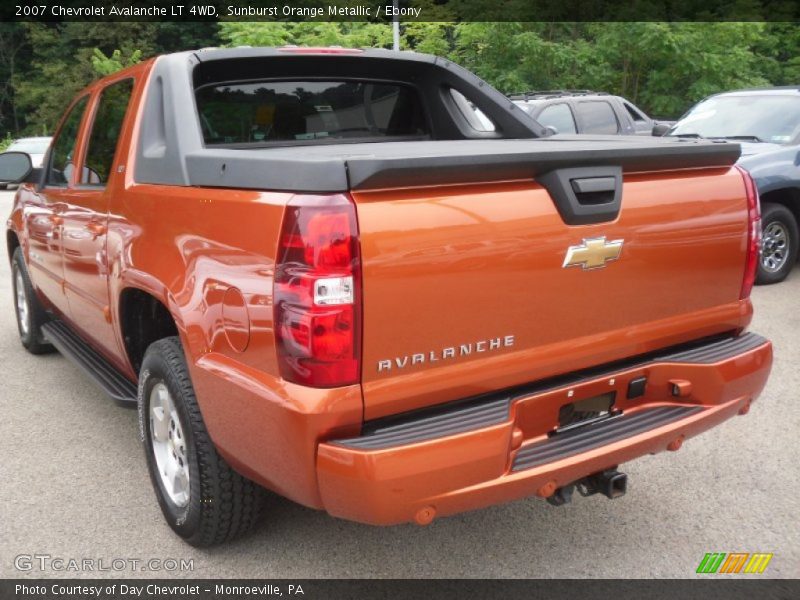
473,470
441,266
452,265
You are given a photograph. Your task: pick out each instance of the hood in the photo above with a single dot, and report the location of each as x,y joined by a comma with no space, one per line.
752,148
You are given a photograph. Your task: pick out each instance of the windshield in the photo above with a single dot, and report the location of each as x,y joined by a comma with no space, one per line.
764,118
300,111
29,146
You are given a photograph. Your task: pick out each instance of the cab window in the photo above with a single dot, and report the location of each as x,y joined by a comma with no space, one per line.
303,111
63,152
106,128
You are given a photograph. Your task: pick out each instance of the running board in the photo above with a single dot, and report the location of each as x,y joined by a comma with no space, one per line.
103,373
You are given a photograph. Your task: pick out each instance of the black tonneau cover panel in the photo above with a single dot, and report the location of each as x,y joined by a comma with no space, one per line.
343,167
380,165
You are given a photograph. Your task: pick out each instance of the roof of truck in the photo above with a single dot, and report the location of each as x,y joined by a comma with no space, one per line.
786,90
216,53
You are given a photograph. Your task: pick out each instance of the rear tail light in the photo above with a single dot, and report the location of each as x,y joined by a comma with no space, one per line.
753,235
317,292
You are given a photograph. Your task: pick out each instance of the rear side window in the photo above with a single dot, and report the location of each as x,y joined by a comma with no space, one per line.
105,132
558,116
597,117
63,153
635,114
473,115
298,111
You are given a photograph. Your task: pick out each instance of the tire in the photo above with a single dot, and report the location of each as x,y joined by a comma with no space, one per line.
779,245
211,503
30,313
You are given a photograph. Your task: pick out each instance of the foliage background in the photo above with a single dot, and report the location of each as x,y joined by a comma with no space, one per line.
663,67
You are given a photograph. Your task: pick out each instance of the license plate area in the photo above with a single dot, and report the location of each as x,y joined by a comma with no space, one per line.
584,412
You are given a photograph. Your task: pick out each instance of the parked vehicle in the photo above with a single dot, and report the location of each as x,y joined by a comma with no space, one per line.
35,147
585,111
766,122
314,271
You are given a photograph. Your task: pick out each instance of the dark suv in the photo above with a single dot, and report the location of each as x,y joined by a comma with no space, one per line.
766,122
585,111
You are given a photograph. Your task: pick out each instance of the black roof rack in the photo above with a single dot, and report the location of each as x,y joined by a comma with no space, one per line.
540,94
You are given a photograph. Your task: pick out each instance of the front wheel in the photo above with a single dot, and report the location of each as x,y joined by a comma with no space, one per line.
30,313
779,243
203,499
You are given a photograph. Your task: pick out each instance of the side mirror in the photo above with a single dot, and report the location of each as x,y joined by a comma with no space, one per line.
14,167
660,129
550,130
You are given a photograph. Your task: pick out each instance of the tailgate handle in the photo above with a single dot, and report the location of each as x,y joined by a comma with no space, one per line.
585,195
589,185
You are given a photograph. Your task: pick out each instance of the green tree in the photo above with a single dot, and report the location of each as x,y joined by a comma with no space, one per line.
309,33
106,65
663,66
59,59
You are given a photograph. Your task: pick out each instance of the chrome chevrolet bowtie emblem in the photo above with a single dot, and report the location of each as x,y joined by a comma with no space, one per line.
593,253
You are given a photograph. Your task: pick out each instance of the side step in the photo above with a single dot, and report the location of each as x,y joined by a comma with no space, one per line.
121,390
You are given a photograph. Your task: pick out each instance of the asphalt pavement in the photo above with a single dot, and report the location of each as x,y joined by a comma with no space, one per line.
74,485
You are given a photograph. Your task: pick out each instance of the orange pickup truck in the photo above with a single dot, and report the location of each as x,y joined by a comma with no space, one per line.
368,282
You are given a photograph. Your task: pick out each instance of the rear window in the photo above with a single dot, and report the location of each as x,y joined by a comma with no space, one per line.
300,111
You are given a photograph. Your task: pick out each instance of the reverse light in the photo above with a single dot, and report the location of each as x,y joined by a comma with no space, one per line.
333,290
753,235
316,296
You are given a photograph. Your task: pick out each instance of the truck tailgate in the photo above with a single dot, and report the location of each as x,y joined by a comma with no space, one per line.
466,289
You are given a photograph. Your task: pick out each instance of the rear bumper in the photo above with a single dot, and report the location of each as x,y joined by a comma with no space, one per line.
497,448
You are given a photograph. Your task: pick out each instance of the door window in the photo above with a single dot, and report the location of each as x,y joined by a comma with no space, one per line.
559,116
106,128
63,153
597,117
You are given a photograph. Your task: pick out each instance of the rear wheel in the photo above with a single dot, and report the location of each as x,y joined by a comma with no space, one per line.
779,243
203,499
29,311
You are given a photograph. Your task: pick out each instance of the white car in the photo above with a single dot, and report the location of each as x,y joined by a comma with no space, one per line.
34,146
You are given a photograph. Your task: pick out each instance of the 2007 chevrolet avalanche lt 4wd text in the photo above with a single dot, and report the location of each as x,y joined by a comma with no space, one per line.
315,273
